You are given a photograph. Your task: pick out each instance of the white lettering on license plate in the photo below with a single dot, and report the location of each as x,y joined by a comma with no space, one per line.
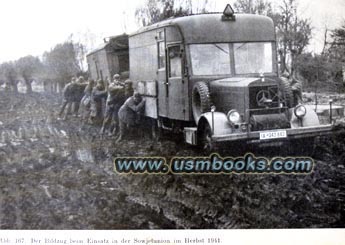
273,134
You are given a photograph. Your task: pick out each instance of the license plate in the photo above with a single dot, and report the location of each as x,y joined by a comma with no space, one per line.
273,134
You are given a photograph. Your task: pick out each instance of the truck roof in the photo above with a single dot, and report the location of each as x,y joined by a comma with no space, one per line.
210,28
118,42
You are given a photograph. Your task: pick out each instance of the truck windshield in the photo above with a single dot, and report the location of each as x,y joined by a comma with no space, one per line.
214,59
253,58
210,59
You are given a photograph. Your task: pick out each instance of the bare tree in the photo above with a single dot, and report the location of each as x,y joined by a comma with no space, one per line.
293,34
157,10
28,67
9,74
337,49
261,7
61,63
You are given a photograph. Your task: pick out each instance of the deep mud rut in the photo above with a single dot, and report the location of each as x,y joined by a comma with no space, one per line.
55,176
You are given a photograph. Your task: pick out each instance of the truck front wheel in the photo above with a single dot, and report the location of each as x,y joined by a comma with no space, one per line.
205,138
200,100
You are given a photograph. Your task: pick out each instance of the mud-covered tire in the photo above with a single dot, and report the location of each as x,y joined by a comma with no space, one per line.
287,92
200,100
205,138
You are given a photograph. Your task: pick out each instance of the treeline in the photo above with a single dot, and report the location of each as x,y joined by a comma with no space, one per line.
54,69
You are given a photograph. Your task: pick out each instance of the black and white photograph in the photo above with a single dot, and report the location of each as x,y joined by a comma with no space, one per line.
171,115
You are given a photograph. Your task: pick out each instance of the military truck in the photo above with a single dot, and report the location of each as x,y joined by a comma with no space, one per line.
215,78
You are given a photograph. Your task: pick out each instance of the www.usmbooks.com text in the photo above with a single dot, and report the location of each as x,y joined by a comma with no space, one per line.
215,164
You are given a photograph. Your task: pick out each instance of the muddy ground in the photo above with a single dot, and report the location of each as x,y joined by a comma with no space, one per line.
55,176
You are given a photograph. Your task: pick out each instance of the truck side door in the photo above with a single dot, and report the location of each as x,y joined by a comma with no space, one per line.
177,87
162,82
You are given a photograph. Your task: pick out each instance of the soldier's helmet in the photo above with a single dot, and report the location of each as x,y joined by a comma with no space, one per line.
116,76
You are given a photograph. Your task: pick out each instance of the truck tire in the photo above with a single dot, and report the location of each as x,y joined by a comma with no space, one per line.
204,138
200,100
287,92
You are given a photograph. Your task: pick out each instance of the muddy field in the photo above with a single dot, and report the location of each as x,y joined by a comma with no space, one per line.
54,175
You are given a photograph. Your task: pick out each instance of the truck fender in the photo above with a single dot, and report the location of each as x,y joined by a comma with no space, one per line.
221,123
310,119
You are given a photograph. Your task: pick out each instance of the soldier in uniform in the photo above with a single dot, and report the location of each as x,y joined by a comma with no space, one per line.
86,100
67,98
128,88
115,98
78,94
296,87
129,114
98,94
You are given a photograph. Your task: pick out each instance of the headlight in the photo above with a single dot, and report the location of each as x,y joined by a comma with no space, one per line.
300,111
234,117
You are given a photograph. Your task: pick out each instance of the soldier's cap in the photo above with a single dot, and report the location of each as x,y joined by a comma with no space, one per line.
128,81
116,76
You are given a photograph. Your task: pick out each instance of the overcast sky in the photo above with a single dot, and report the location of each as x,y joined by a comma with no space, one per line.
34,26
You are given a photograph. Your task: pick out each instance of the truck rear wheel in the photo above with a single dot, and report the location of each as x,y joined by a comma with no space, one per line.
200,100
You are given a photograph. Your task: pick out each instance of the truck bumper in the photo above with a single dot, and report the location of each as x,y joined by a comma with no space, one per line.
291,133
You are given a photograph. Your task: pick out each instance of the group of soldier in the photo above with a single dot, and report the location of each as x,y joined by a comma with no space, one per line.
114,105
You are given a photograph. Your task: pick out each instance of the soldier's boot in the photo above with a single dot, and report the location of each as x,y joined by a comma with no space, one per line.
76,109
64,104
68,109
122,132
